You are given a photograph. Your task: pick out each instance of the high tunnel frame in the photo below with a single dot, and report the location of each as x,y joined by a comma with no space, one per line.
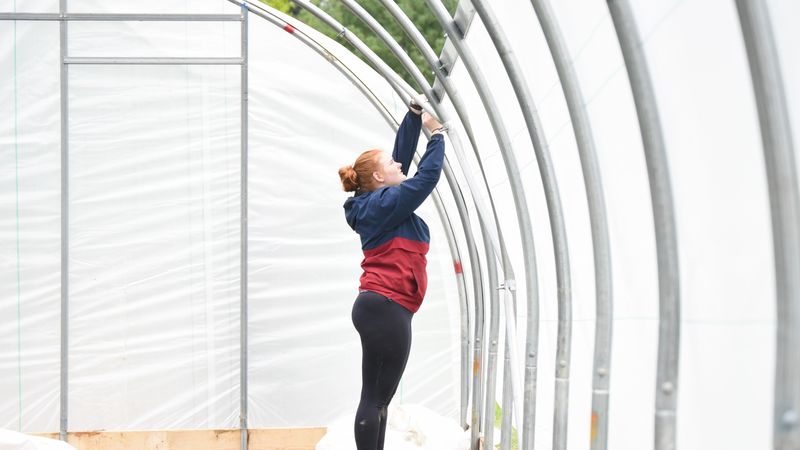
780,170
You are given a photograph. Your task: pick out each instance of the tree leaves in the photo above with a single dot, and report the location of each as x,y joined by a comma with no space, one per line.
416,10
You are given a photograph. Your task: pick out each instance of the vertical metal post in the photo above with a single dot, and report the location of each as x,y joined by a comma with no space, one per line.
597,217
243,231
507,406
491,360
64,369
477,373
452,242
779,158
664,219
478,298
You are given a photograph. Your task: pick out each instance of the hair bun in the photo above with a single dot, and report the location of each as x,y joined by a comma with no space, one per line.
349,178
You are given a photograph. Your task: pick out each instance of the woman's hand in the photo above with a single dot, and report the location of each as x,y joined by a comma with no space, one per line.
430,123
415,106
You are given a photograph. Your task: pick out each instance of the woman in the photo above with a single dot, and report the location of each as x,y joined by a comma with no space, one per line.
395,242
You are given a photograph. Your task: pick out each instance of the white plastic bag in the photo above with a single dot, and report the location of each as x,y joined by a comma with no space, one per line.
410,427
11,440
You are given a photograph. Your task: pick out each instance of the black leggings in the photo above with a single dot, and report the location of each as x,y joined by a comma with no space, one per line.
385,329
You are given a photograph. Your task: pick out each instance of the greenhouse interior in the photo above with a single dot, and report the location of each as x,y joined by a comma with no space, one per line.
614,256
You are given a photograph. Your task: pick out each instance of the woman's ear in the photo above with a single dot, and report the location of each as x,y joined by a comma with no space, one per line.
378,177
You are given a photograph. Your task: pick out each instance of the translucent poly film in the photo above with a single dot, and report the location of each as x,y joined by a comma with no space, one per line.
30,224
155,240
704,94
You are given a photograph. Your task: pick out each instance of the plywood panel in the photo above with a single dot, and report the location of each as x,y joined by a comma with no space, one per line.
259,439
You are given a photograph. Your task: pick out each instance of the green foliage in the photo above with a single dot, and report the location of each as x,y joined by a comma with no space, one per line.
498,421
281,5
416,10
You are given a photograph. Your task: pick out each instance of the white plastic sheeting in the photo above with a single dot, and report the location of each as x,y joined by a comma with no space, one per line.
30,224
704,93
12,440
409,427
154,231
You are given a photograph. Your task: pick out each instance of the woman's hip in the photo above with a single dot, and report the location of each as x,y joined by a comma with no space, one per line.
375,313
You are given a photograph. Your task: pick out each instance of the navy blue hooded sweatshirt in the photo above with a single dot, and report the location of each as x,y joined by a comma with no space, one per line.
394,239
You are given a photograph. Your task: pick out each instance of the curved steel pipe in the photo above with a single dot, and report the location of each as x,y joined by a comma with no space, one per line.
776,137
556,216
461,110
582,129
521,208
507,410
405,92
491,360
664,218
439,109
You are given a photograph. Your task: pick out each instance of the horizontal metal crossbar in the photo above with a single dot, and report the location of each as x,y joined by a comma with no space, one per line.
155,61
123,17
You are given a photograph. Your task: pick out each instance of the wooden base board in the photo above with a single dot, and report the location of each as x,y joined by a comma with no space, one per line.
258,439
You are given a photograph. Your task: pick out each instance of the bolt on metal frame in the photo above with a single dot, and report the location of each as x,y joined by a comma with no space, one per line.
784,198
664,221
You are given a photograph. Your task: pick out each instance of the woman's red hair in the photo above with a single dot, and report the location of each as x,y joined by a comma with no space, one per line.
359,175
